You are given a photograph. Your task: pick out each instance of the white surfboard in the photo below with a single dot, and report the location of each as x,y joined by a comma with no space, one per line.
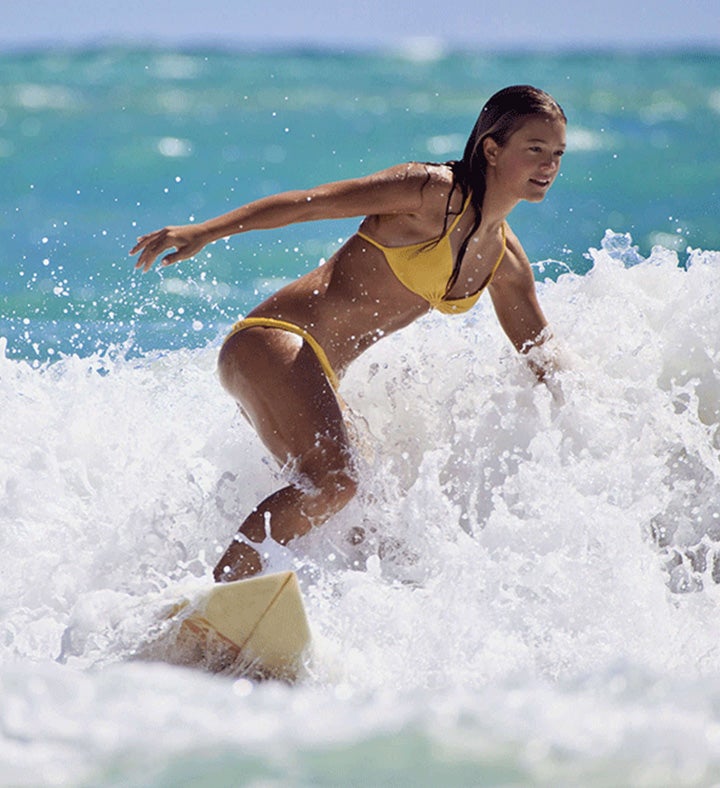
255,627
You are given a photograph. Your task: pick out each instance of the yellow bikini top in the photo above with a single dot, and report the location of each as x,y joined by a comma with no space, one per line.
427,270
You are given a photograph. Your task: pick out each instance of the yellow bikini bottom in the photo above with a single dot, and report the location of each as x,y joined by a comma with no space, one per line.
272,322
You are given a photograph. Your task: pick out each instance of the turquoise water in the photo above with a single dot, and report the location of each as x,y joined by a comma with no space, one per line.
97,147
537,602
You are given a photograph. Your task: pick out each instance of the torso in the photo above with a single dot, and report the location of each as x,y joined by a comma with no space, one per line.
355,298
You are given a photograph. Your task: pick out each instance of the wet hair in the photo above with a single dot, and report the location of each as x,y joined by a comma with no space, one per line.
502,115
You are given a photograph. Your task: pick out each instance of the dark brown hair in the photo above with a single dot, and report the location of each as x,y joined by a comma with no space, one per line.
501,116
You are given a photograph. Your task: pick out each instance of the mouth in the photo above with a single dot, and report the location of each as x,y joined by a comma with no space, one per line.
543,183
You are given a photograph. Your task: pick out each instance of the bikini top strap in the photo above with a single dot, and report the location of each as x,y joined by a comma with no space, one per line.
455,221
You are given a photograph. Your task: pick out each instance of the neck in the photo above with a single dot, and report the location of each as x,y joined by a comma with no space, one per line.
497,204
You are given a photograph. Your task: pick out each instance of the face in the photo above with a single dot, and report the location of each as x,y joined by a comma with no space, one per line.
529,162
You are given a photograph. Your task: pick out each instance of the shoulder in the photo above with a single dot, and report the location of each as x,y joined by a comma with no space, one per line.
400,189
419,175
419,188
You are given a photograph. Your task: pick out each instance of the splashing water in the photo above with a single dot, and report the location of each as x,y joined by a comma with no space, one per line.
535,598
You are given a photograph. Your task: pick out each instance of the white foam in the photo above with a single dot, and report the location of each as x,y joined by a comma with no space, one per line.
523,558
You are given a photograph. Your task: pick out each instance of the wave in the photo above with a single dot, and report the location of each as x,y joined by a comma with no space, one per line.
515,534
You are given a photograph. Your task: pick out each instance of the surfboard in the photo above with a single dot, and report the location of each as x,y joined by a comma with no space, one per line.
255,627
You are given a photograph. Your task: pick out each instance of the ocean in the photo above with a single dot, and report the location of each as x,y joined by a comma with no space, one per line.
537,602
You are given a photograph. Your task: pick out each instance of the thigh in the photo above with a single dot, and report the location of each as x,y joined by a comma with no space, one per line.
278,381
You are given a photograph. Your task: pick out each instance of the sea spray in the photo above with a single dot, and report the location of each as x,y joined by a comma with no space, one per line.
525,590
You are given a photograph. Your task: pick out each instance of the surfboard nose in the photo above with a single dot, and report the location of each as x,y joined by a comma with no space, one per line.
260,624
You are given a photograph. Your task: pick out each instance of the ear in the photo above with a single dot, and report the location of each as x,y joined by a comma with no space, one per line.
490,149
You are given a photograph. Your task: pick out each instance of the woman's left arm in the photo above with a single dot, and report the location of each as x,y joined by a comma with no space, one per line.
518,309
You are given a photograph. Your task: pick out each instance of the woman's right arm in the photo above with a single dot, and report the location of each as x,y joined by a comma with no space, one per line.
395,190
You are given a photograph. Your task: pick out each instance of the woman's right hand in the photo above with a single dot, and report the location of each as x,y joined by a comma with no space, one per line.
187,240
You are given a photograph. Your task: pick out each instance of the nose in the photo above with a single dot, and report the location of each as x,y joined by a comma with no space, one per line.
550,166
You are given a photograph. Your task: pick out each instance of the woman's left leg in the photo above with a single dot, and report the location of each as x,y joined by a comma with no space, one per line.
291,404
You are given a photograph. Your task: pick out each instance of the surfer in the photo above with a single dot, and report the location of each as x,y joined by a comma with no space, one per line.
433,235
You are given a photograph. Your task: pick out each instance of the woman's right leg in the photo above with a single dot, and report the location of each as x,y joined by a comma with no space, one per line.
280,384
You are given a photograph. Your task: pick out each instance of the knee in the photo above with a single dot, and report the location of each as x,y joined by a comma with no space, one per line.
341,487
330,493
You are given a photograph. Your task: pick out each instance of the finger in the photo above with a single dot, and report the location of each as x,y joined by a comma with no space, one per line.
150,260
148,239
141,242
171,259
147,258
139,245
151,252
145,264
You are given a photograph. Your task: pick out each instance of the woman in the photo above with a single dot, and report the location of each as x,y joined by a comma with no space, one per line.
433,236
